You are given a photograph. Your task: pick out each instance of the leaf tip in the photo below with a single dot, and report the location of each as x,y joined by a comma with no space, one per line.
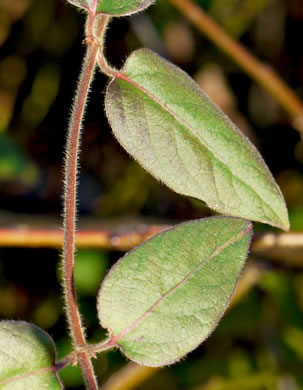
283,223
249,228
286,225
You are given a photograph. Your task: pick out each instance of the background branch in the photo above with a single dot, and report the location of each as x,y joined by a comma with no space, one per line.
40,232
260,72
129,377
125,234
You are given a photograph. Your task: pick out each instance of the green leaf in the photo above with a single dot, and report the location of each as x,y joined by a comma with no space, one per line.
27,356
161,300
122,7
163,119
113,7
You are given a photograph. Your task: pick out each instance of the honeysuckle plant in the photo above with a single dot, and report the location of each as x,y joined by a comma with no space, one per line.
162,299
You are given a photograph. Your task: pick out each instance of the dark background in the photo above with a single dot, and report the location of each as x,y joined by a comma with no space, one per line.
259,343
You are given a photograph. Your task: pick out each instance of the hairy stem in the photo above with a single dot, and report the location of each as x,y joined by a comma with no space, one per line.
71,167
102,62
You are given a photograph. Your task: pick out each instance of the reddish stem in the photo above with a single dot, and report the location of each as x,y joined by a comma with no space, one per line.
71,168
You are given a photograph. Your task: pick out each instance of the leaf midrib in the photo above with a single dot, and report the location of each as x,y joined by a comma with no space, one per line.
123,76
219,250
23,376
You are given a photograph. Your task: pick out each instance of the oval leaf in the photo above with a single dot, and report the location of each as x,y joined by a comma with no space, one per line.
164,298
27,356
164,120
113,7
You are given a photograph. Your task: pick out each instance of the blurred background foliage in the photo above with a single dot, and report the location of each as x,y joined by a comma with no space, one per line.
259,343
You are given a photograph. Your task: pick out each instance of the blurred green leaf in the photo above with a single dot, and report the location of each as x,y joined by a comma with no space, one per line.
239,363
47,313
296,219
236,17
261,381
13,163
293,337
43,93
281,297
90,268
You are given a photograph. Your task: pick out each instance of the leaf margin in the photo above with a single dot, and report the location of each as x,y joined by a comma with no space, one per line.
48,339
282,216
97,8
112,341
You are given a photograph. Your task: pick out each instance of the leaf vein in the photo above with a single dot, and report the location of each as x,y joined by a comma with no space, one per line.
124,77
220,249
